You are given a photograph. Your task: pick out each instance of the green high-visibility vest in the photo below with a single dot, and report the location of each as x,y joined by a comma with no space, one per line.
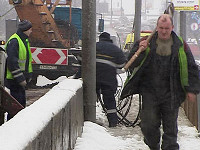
22,56
183,65
182,62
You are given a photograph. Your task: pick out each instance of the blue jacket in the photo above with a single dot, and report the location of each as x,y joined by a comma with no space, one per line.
109,58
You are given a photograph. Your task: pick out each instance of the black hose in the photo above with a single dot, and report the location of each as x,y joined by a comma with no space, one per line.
123,107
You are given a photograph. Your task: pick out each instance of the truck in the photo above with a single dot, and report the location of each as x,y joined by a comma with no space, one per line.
130,39
55,38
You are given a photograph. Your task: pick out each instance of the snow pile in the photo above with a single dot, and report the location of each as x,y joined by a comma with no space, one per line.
25,126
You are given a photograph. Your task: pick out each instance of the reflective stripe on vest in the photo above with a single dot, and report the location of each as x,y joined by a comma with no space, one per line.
22,55
110,111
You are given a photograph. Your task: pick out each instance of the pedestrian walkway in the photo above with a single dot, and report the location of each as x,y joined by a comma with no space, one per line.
129,138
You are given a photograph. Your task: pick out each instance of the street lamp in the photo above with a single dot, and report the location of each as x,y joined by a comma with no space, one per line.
121,8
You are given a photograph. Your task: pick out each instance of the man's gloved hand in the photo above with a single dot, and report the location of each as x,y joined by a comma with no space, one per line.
23,83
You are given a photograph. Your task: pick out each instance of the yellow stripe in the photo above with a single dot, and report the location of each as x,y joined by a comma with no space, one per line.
104,56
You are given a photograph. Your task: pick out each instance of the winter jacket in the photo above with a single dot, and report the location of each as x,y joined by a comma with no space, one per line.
19,59
138,82
109,58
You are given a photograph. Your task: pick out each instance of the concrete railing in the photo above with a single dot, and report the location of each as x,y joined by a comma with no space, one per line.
52,123
192,109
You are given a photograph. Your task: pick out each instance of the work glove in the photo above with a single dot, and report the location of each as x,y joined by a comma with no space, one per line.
23,83
28,76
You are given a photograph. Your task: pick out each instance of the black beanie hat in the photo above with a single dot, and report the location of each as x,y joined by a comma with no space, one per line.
24,25
104,35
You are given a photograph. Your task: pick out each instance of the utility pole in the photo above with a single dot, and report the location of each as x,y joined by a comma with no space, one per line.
89,59
183,25
121,8
137,20
111,12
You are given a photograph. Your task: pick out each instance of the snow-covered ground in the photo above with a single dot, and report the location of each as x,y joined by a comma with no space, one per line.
96,137
128,138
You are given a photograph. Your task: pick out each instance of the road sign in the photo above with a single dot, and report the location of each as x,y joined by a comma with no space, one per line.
186,5
194,26
50,56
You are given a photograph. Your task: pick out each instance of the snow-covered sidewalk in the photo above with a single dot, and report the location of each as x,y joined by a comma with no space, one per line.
96,137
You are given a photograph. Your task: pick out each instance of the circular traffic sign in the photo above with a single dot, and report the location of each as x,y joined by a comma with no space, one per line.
194,26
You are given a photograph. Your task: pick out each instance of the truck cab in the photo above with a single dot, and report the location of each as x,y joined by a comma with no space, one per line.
130,39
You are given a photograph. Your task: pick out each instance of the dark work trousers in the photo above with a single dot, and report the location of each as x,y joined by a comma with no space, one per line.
152,115
18,92
108,93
